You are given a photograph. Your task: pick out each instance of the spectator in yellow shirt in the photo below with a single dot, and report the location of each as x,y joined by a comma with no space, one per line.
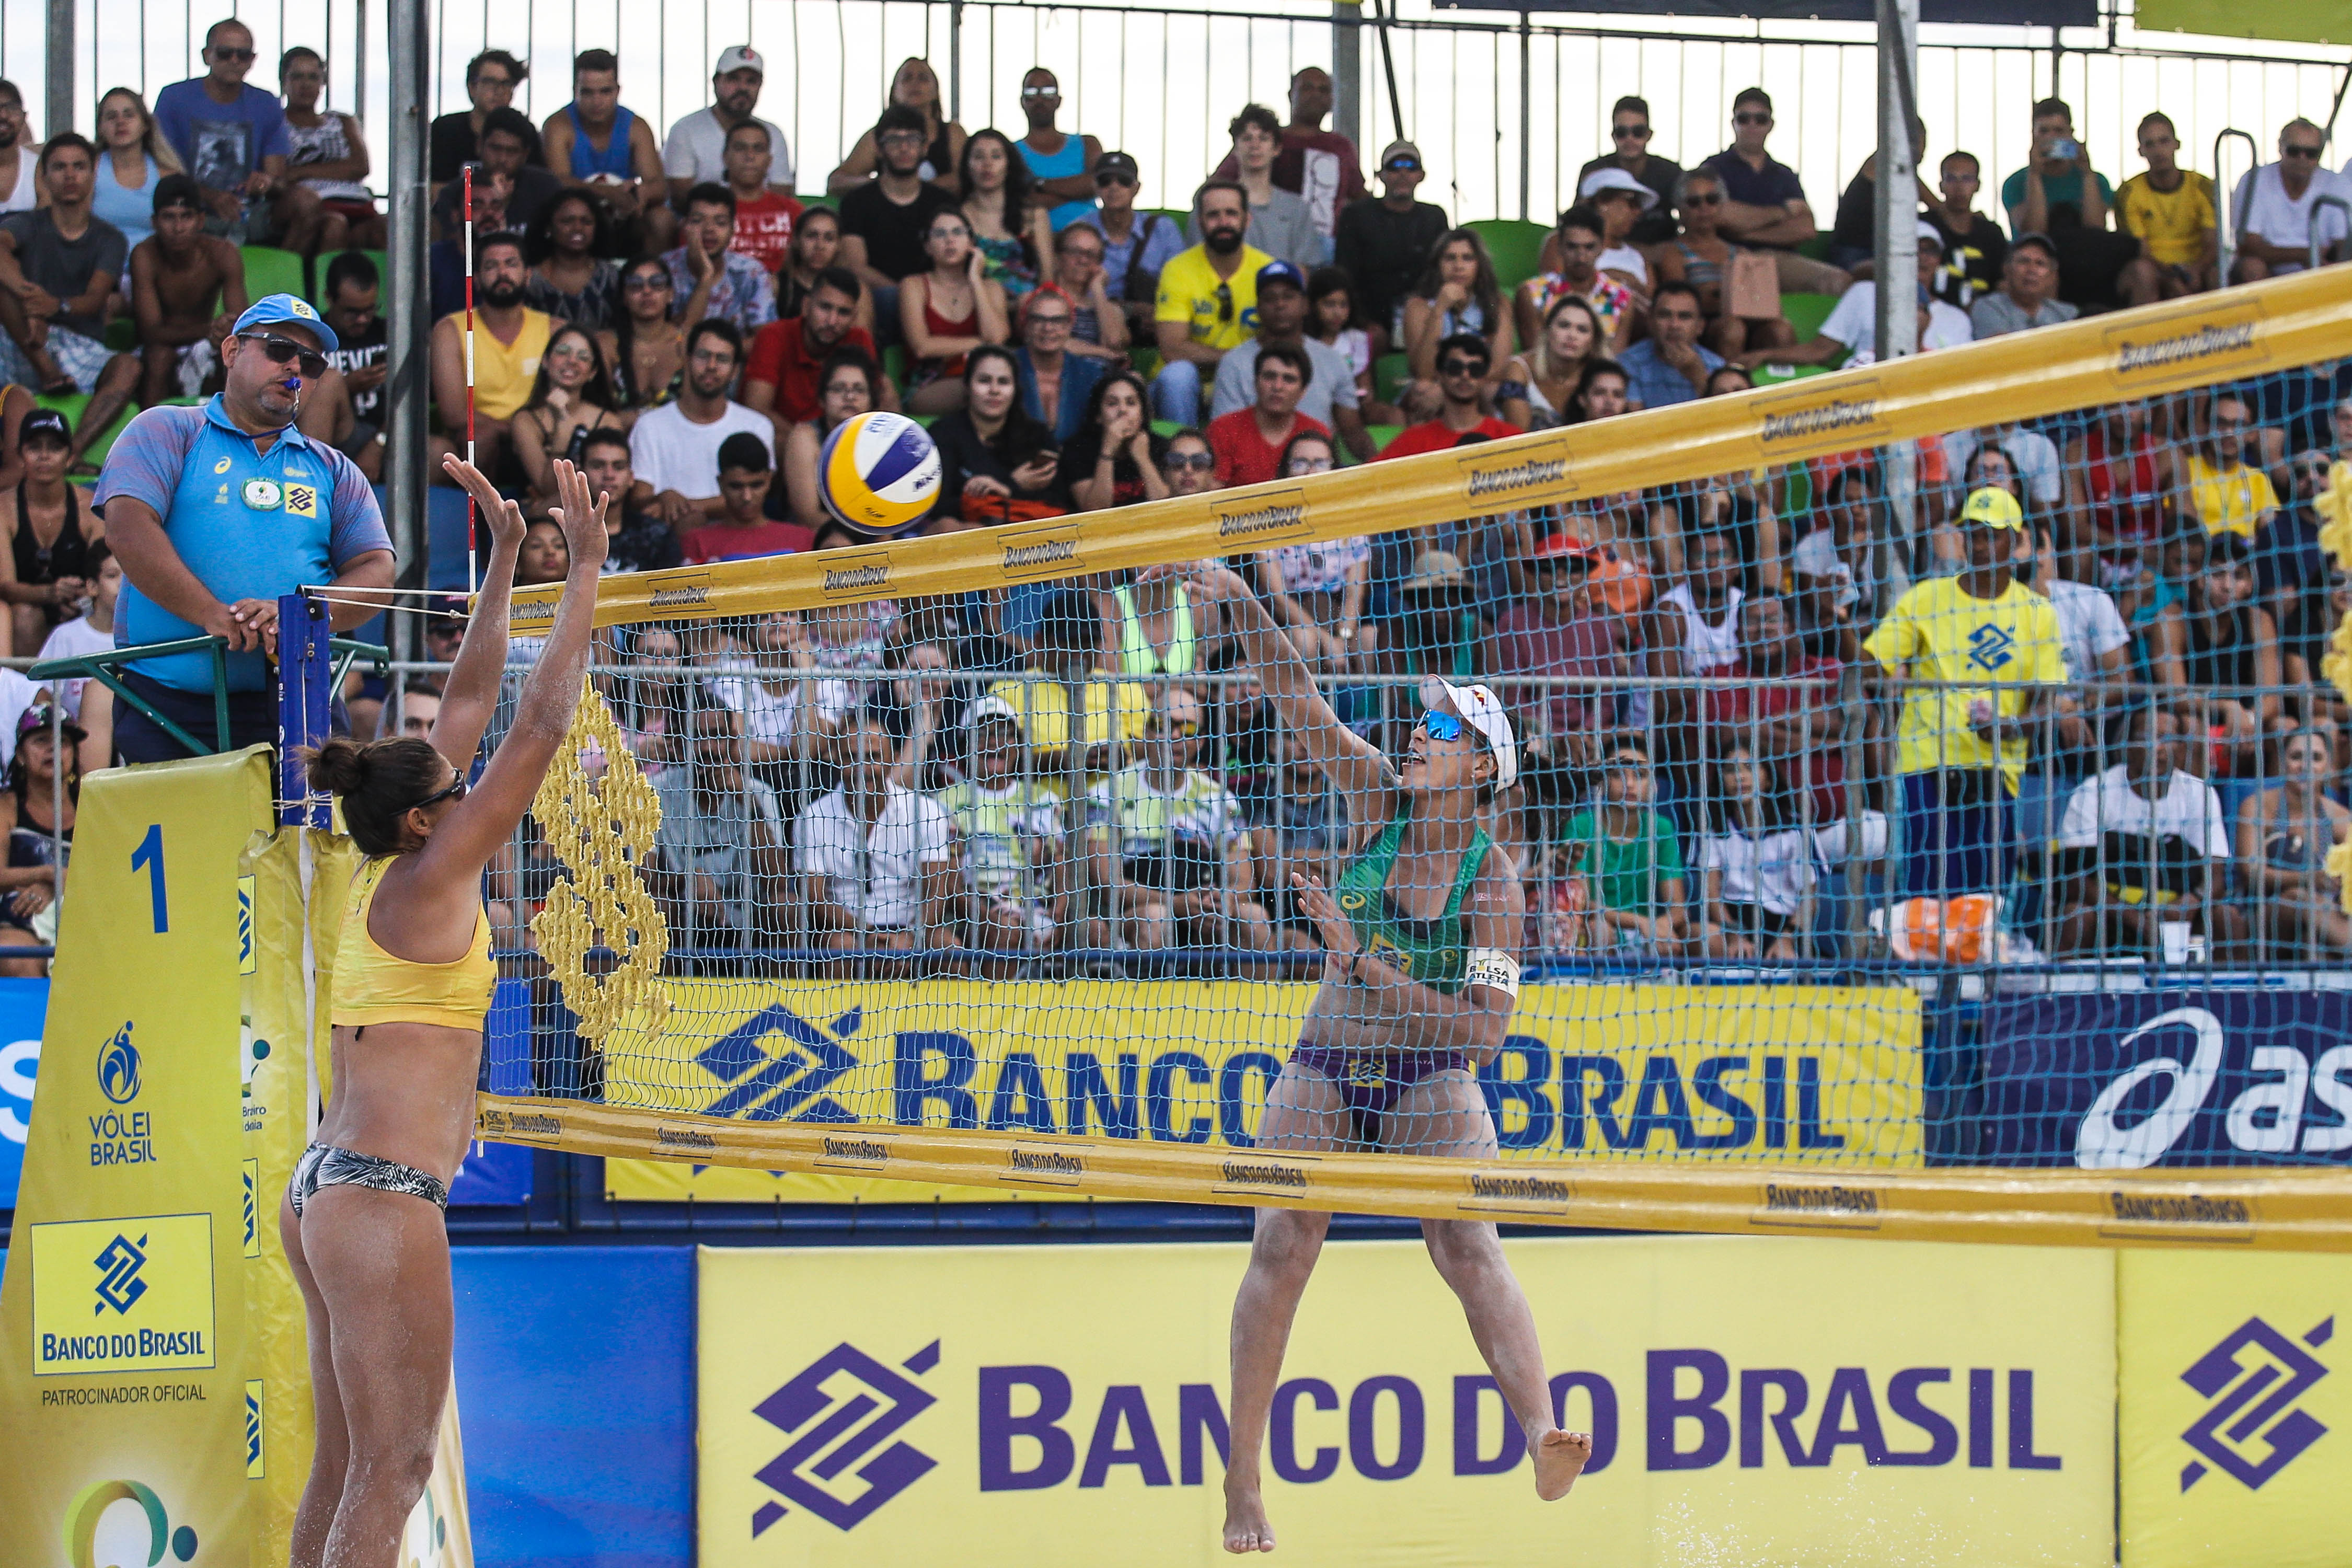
2170,211
1067,692
1960,745
2228,494
1207,304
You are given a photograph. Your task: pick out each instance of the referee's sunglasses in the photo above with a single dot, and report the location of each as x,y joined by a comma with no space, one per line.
286,351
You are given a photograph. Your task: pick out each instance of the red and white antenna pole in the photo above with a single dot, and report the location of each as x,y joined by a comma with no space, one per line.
473,573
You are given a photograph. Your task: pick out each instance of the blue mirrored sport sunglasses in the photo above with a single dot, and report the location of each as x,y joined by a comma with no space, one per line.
1441,726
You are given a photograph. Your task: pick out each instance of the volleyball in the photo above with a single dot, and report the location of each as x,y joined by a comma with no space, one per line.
879,473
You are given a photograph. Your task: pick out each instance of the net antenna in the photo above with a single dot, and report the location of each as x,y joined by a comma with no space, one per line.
472,572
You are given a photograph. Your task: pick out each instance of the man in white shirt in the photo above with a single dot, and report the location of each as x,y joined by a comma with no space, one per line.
2150,848
2092,639
1852,326
2276,208
694,151
873,855
675,447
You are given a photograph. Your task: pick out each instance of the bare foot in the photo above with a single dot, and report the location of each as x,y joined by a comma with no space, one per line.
1559,1458
1245,1525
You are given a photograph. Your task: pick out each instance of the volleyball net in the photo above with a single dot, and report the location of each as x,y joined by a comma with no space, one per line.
970,859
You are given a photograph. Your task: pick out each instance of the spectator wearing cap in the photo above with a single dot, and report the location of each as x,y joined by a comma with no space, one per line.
1462,365
711,279
178,275
1279,222
1061,165
1766,209
1320,165
1852,330
454,139
1670,365
1961,746
1383,244
695,150
1330,398
1208,301
1250,442
1136,244
1576,239
486,380
782,371
2060,196
1621,205
597,141
1005,830
1437,629
58,269
50,529
231,136
2027,294
2278,211
1057,385
1630,133
1974,247
215,512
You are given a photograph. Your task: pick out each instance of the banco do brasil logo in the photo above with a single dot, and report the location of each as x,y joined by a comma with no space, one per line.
92,1501
119,1285
2254,1429
840,1408
118,1068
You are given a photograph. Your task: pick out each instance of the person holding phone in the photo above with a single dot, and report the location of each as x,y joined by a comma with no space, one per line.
2059,193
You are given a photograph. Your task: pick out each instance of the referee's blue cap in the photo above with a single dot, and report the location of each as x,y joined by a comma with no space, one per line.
278,308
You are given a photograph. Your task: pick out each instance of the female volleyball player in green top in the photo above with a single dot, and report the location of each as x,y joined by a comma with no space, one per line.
1419,986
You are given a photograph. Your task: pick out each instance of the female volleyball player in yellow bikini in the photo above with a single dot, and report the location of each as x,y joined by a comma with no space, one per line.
363,1221
1419,984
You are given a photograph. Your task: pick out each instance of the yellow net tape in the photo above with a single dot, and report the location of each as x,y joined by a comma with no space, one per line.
594,825
2334,505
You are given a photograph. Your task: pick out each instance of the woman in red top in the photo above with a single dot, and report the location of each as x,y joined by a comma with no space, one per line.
946,313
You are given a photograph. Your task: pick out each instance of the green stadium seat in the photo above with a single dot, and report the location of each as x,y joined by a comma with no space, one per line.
318,275
269,270
1389,372
1806,312
894,364
1517,247
71,405
1382,434
122,334
1165,429
1817,247
1145,359
1774,375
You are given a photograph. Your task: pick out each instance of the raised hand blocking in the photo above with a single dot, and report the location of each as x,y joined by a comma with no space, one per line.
581,517
502,516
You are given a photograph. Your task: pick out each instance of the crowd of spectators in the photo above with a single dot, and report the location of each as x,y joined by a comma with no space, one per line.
1707,677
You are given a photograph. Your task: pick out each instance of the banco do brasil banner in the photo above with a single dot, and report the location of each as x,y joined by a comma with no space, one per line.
1041,1406
2133,1079
1820,1074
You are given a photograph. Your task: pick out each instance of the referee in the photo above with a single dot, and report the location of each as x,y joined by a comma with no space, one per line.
215,512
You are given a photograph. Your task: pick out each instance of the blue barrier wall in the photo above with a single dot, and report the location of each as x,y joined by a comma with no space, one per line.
575,1380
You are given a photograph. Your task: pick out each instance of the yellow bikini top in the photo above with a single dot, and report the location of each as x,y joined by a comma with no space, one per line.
371,987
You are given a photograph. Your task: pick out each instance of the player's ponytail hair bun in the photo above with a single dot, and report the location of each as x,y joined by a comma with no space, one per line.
377,783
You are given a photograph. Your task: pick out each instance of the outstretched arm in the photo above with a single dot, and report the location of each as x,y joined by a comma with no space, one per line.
1353,765
466,839
471,698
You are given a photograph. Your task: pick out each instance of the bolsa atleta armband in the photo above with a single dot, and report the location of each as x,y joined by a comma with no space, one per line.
1493,968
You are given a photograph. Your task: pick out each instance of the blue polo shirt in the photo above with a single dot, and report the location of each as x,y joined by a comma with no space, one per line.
250,524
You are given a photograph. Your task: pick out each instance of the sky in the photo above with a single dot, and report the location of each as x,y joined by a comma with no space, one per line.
1162,86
